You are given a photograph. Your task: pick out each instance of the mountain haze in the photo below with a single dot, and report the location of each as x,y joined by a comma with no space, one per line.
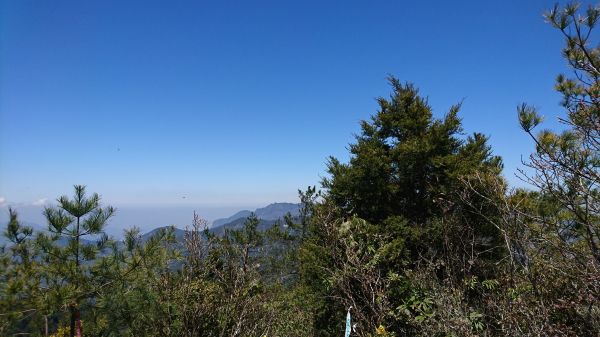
273,211
268,216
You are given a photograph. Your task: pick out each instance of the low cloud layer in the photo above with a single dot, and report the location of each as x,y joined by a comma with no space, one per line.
40,202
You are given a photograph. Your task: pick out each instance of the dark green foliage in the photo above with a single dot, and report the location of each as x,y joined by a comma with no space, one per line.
137,303
70,277
19,286
399,206
404,160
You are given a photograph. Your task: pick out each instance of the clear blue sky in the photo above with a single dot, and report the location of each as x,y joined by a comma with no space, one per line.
230,103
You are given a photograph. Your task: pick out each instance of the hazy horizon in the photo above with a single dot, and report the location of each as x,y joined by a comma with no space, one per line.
144,217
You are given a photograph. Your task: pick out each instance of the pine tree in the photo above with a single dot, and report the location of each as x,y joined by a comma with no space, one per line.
19,284
565,171
69,270
405,160
404,174
394,208
566,165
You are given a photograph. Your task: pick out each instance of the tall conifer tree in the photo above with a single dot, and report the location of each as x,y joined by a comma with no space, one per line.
69,274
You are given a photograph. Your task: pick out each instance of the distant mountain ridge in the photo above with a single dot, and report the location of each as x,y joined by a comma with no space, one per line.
267,215
274,211
239,215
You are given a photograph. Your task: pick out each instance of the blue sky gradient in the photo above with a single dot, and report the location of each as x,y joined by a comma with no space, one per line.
238,103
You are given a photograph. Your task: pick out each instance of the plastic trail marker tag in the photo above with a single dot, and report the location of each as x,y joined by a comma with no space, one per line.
348,326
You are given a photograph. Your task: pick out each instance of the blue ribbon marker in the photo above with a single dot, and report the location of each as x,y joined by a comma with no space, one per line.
348,326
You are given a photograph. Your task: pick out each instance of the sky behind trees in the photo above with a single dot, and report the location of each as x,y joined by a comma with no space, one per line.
239,104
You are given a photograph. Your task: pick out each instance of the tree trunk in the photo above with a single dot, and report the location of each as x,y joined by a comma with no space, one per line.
78,323
76,329
72,329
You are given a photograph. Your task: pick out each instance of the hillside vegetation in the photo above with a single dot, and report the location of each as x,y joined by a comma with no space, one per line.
418,234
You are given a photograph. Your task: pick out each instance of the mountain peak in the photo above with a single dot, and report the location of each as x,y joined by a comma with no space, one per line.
272,211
